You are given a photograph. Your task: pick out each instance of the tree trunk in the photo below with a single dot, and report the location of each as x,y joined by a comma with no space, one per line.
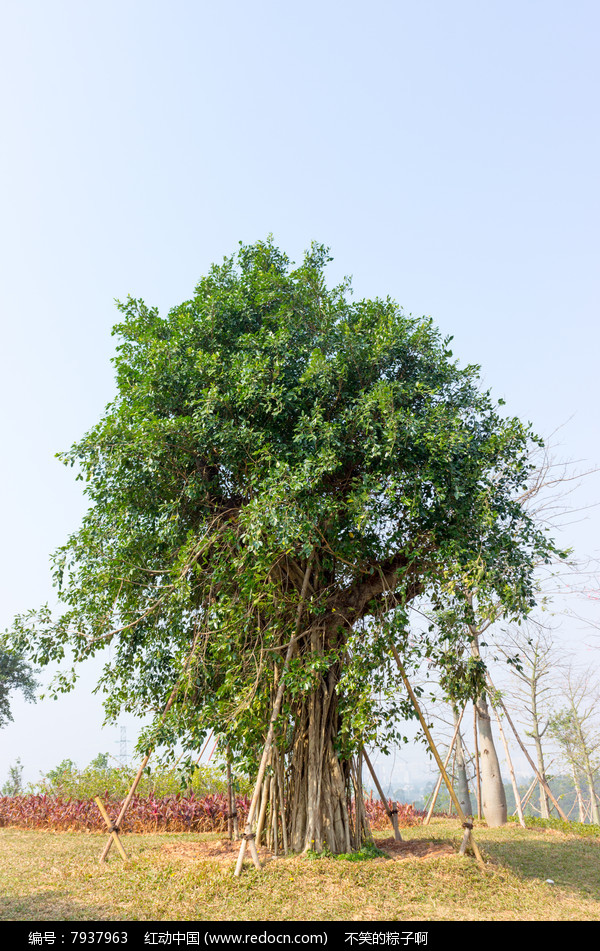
589,776
586,765
544,803
320,782
578,792
492,788
536,733
477,764
462,783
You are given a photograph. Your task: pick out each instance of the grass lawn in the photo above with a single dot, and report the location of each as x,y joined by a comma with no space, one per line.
47,876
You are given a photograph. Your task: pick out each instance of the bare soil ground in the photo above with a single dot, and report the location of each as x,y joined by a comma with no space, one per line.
415,849
224,851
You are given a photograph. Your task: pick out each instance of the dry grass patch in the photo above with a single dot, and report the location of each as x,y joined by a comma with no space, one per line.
184,877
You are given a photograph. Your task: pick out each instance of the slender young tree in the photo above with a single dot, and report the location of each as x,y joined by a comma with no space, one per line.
534,676
544,497
576,730
460,681
14,783
283,470
462,780
461,670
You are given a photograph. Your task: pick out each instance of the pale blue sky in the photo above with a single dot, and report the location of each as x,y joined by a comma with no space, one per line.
447,152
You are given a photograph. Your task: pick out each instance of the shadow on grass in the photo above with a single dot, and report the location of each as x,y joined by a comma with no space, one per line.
571,863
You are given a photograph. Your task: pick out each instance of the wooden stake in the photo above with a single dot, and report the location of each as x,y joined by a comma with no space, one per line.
392,813
467,839
466,825
248,842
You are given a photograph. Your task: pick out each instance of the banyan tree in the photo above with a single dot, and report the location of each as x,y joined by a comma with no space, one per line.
282,473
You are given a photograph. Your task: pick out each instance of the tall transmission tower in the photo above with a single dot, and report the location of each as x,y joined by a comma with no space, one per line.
123,758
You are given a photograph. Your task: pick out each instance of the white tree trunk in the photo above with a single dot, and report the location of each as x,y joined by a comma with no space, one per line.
493,797
462,783
492,787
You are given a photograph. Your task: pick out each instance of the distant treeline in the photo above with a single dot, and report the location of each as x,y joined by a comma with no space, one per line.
563,788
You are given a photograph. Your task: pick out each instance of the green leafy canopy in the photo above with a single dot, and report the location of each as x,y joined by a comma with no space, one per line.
267,418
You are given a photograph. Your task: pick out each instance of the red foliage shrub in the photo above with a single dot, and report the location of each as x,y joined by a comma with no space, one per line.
145,814
152,814
379,820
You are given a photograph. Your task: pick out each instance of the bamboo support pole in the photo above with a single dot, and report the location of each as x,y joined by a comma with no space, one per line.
436,791
125,805
251,840
468,839
271,731
241,853
528,795
392,813
513,778
266,791
144,762
453,778
112,827
231,804
540,779
202,751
